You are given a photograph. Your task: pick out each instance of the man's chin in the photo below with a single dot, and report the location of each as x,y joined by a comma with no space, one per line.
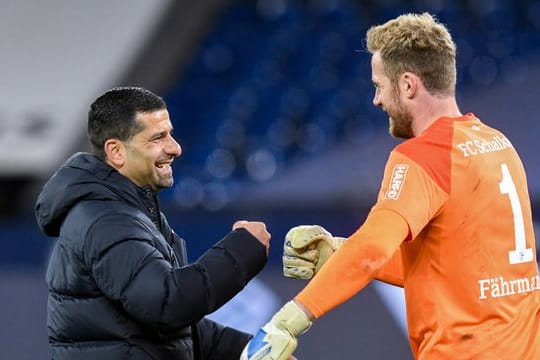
392,129
167,185
163,184
399,132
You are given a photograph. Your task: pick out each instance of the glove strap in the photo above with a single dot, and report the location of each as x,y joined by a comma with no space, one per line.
292,318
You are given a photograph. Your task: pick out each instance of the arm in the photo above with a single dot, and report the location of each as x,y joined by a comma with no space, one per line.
308,247
213,341
392,272
356,263
349,270
128,268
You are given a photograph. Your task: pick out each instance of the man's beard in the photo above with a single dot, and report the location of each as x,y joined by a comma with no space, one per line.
400,120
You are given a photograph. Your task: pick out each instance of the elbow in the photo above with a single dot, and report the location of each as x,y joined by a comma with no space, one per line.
370,261
372,265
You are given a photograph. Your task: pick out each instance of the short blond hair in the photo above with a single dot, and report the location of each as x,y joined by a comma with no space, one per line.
417,43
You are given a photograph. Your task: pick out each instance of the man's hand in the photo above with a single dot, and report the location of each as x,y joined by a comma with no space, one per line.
306,249
276,340
257,229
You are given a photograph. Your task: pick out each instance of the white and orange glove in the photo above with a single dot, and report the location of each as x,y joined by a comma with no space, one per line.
306,249
276,340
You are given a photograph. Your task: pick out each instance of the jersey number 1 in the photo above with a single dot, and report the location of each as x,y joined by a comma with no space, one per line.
521,254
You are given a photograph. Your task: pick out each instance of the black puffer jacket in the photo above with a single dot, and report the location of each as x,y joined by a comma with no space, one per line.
119,283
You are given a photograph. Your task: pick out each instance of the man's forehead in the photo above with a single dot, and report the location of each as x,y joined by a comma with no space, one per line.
376,60
154,117
377,68
153,122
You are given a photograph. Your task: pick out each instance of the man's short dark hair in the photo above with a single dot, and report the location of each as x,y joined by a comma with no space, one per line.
113,115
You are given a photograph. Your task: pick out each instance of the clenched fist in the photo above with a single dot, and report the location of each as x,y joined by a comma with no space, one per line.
306,249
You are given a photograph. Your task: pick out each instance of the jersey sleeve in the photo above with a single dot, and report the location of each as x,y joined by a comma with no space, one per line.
413,189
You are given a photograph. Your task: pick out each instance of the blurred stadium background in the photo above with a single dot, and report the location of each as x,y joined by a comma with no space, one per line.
271,101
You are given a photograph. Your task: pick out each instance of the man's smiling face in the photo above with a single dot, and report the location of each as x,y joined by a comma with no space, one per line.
149,153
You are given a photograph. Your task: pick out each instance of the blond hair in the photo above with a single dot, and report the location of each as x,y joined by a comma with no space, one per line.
417,43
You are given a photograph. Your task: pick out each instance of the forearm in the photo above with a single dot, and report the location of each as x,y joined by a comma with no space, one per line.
166,297
215,341
392,272
356,263
230,264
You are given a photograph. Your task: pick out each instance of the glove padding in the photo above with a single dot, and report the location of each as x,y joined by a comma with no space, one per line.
306,249
276,340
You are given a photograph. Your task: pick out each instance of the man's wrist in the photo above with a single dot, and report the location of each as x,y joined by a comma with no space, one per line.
306,311
292,318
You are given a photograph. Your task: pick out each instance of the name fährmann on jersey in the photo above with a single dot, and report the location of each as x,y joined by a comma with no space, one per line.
499,286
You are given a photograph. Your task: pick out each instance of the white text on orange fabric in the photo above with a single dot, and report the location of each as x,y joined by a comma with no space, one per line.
499,286
396,183
483,146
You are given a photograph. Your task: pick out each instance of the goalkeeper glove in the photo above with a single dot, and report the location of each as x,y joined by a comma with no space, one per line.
306,249
276,340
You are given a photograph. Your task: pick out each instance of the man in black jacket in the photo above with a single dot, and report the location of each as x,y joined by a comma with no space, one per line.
120,286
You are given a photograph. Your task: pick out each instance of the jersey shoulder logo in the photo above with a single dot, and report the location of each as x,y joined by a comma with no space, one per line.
396,181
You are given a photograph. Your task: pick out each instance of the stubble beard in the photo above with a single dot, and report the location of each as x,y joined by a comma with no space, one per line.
400,127
400,120
165,182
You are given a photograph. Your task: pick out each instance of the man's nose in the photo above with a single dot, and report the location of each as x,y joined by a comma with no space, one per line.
174,148
376,99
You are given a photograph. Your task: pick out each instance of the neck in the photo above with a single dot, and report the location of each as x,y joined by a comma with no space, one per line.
431,109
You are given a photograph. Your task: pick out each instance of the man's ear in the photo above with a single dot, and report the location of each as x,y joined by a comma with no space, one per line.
115,151
409,84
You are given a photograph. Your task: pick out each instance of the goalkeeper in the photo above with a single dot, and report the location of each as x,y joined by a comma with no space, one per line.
452,224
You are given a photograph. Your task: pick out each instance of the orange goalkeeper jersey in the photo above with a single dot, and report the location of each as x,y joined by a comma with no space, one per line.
469,265
470,273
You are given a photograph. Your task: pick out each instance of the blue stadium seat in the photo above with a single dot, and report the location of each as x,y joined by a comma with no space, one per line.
278,80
